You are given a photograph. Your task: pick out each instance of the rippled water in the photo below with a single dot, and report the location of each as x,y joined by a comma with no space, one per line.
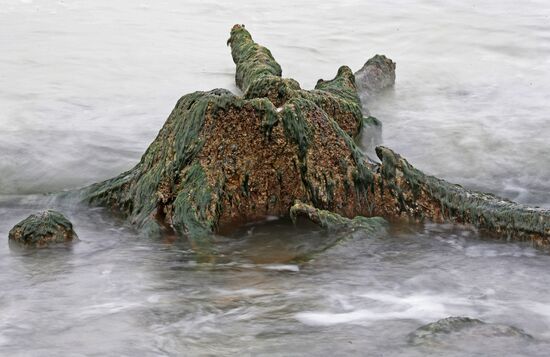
87,85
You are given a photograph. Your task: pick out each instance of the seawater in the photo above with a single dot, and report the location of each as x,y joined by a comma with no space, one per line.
87,85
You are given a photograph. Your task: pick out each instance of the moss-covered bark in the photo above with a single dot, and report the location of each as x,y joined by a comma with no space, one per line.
221,160
334,222
258,75
404,191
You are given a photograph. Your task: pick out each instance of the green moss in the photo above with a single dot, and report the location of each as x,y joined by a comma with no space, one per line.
333,222
343,85
338,98
295,124
169,184
277,88
269,113
363,177
135,192
484,210
42,229
253,61
190,120
434,334
151,229
193,212
371,121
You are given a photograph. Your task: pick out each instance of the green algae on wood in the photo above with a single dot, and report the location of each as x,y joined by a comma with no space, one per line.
416,195
222,160
258,75
253,60
332,221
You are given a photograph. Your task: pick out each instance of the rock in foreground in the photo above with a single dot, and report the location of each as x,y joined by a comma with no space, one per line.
447,331
42,230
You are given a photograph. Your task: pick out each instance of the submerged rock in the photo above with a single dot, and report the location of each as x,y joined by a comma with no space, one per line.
42,230
448,330
377,74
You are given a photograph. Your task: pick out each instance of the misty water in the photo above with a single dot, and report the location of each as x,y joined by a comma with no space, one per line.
85,87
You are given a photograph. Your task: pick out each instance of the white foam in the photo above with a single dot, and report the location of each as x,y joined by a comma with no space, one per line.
153,299
492,251
107,308
3,340
387,306
282,267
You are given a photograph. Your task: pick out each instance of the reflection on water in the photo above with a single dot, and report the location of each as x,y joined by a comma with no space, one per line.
87,87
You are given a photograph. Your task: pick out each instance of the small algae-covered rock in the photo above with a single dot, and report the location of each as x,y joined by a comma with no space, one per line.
377,74
42,230
449,330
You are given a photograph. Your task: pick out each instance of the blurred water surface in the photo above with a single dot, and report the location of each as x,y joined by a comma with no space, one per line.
86,85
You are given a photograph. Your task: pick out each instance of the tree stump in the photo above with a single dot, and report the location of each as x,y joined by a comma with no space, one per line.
222,160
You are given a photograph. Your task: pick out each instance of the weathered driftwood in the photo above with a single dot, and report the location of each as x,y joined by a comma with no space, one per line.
221,160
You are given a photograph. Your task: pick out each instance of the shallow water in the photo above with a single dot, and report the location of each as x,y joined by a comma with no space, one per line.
86,87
